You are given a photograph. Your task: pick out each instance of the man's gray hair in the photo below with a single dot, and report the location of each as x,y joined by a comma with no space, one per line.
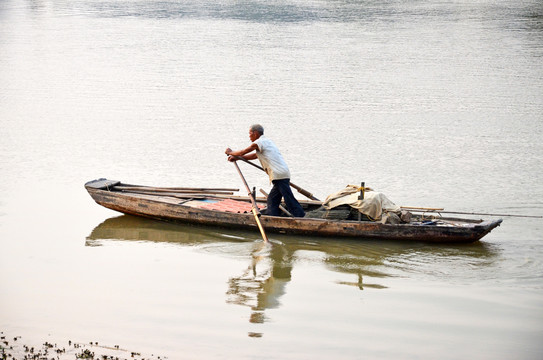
258,128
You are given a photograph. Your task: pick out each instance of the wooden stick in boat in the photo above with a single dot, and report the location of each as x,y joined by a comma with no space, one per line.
176,187
256,213
420,208
300,190
205,196
215,196
304,192
484,214
158,192
205,189
179,195
184,190
280,206
440,210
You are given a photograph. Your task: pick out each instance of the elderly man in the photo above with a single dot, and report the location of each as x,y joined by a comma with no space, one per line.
272,161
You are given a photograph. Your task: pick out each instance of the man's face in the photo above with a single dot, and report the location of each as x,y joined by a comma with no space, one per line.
253,135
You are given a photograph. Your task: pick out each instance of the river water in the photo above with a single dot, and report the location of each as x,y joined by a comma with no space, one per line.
434,103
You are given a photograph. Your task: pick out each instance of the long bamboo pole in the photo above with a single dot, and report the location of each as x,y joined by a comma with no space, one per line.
255,211
440,210
300,190
196,195
174,189
420,208
485,214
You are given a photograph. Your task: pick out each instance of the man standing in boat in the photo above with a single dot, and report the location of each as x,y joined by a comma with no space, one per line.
272,161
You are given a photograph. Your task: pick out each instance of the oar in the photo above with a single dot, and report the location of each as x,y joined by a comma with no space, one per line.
255,211
300,190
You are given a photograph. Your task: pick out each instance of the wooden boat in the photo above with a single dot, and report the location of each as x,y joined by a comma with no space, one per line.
219,207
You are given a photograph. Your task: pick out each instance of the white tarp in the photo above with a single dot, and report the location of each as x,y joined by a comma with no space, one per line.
373,205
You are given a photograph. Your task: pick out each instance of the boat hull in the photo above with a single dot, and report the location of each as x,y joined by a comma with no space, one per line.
162,208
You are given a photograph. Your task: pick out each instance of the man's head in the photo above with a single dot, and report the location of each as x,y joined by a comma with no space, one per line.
255,131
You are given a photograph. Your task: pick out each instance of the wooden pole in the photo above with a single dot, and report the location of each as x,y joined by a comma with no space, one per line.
175,189
300,190
361,197
440,210
194,195
421,208
483,214
255,211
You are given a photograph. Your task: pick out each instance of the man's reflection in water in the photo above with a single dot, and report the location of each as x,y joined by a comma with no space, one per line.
261,286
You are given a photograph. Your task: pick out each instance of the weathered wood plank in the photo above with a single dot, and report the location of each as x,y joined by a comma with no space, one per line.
102,184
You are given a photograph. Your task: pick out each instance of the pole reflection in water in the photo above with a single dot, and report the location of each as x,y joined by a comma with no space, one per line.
264,282
270,265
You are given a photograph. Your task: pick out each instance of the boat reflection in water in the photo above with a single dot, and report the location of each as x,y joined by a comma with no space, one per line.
270,265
